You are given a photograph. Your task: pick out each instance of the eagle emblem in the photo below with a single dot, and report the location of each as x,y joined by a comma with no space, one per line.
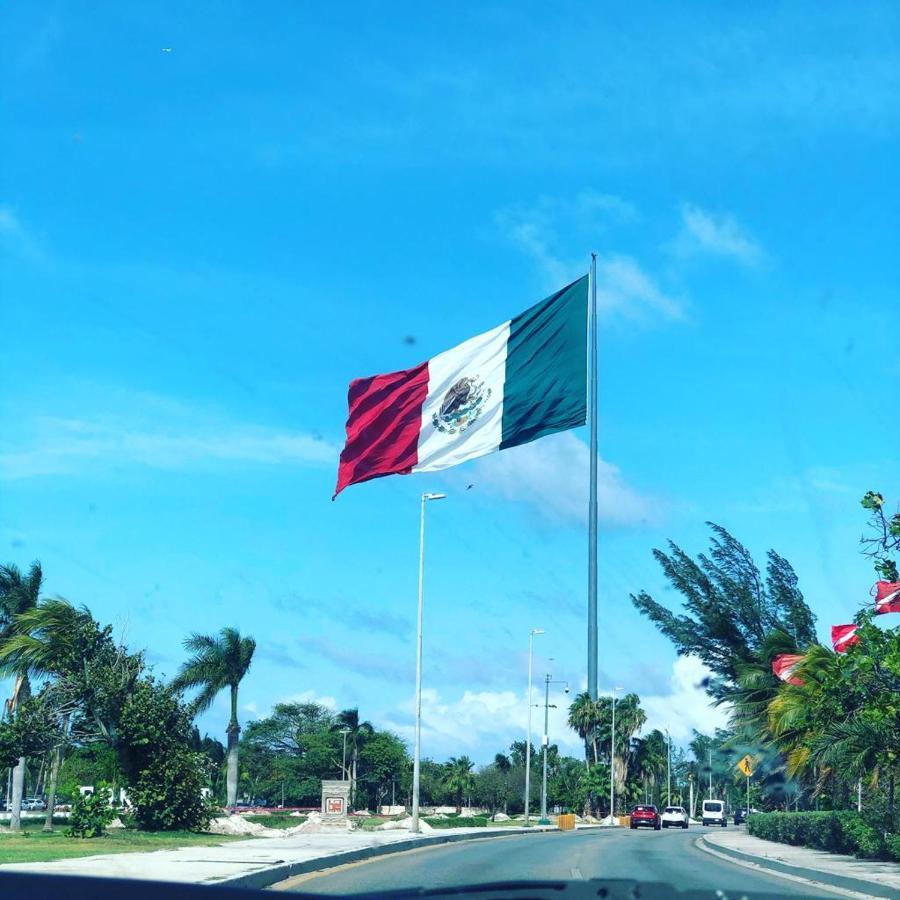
461,406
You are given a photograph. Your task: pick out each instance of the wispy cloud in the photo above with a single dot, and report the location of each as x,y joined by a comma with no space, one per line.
704,232
623,286
685,705
551,475
16,239
156,434
368,618
347,657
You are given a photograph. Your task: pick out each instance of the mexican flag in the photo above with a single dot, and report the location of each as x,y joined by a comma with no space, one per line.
843,636
783,667
887,597
513,384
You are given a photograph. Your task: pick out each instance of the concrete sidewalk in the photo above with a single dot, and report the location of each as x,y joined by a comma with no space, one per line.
868,877
258,862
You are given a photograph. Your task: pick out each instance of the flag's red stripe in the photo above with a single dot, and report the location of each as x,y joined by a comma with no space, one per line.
383,425
887,597
843,636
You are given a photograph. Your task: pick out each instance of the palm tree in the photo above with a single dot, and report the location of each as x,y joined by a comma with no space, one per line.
347,721
51,638
584,717
218,663
460,778
650,760
18,594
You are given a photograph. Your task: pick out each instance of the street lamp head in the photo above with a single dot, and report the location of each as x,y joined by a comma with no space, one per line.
537,630
567,689
434,496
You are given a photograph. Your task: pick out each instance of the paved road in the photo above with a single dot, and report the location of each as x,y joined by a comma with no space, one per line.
668,856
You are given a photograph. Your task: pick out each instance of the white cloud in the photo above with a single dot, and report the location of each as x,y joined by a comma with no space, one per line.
686,705
623,287
719,235
552,476
481,723
155,434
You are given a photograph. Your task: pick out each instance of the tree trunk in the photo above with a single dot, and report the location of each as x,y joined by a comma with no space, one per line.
51,794
18,783
231,778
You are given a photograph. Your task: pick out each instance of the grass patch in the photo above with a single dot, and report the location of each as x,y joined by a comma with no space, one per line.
277,820
33,845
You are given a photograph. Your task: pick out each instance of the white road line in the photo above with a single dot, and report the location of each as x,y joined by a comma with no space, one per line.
700,844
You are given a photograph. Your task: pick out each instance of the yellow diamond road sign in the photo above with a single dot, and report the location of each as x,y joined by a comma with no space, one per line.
746,765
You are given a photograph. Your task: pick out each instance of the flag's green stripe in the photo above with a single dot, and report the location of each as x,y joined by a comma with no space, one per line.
546,367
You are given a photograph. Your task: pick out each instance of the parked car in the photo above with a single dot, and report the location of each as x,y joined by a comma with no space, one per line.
674,817
714,813
33,804
645,815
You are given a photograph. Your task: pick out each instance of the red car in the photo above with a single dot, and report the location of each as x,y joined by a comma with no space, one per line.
646,815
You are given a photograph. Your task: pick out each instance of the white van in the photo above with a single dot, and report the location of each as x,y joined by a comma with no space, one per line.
714,813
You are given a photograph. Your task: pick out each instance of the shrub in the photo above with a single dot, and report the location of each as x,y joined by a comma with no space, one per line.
893,847
164,775
459,822
836,832
91,814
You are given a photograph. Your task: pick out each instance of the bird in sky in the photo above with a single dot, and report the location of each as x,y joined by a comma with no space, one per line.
166,49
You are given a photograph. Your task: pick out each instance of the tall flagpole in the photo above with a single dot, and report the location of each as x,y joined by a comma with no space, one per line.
592,503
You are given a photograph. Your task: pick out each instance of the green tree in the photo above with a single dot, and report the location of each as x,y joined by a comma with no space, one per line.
53,640
731,609
348,721
18,593
164,775
219,662
459,778
584,718
383,761
650,763
630,718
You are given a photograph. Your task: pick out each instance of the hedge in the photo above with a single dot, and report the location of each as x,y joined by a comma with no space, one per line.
837,832
458,822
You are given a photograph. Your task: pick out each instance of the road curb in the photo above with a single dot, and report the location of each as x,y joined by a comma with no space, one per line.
860,886
263,878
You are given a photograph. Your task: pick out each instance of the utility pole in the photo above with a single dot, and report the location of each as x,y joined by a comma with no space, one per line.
548,680
668,768
710,775
531,635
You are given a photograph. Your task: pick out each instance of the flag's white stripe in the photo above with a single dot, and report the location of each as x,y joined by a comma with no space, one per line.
482,358
884,601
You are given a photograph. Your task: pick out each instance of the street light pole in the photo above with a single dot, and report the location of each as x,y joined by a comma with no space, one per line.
710,775
417,752
531,635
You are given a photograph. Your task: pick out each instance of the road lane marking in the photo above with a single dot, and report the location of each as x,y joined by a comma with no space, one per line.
701,845
576,874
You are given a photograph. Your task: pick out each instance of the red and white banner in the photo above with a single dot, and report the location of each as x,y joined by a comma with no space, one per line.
887,597
783,666
843,636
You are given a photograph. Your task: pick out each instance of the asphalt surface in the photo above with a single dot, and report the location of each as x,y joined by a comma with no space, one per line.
668,856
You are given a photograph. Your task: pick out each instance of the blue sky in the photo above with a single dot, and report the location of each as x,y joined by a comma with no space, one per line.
212,217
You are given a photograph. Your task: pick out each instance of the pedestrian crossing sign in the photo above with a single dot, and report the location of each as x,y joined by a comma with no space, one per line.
746,765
